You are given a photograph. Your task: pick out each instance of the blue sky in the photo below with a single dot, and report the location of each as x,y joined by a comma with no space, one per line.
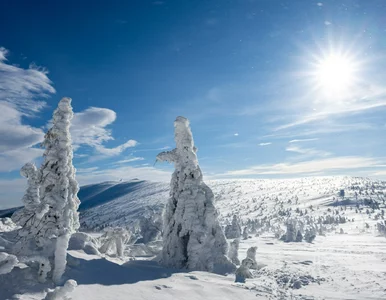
246,73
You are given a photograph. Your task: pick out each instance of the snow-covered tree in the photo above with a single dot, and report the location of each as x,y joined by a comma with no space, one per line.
114,240
234,252
192,235
294,231
58,190
248,263
245,233
33,210
233,230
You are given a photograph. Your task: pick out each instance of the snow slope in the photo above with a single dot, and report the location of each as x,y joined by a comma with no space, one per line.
351,265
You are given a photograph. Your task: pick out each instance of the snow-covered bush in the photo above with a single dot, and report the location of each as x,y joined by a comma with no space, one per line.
85,242
61,292
113,241
234,252
192,235
7,262
248,263
150,227
309,233
245,233
381,227
294,231
233,230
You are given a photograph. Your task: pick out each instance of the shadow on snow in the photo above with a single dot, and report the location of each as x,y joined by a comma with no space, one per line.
102,271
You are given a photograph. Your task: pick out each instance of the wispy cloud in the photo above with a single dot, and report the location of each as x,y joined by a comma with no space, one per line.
265,144
18,90
129,160
153,149
316,166
303,140
86,170
90,128
307,151
362,98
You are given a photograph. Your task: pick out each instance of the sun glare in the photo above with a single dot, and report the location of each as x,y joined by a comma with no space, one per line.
335,74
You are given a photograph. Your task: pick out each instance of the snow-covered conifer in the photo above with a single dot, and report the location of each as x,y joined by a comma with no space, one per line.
192,235
245,233
233,231
234,252
58,190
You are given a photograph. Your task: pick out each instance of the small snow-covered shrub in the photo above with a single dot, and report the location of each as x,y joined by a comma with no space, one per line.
309,233
245,233
113,241
85,242
381,227
7,262
242,273
61,292
248,263
150,227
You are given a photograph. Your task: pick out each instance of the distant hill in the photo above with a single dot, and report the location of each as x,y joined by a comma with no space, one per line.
124,203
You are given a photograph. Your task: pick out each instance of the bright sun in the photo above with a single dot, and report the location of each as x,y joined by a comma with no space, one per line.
335,74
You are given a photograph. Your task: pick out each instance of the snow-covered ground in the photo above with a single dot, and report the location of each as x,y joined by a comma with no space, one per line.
347,262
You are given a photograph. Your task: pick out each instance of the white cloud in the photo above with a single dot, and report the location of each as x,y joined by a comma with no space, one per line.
236,134
20,87
265,144
303,140
86,170
18,90
324,165
307,151
89,128
129,160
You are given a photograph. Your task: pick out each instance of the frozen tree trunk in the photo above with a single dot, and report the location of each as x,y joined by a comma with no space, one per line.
60,257
58,191
192,236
